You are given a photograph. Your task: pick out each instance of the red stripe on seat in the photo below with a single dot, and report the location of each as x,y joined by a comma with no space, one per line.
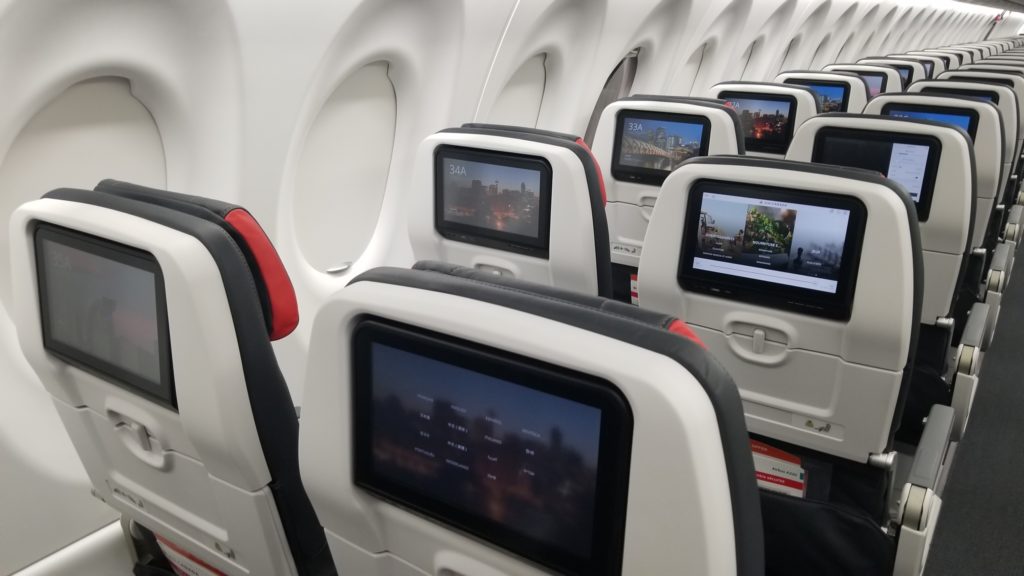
597,168
284,308
679,327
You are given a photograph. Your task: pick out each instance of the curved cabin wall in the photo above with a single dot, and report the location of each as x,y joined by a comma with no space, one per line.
310,113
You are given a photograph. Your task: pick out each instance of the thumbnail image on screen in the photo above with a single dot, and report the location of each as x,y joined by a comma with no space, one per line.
767,123
493,199
102,306
488,442
875,82
785,243
656,143
964,121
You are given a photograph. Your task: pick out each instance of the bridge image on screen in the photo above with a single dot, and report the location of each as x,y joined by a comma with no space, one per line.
658,144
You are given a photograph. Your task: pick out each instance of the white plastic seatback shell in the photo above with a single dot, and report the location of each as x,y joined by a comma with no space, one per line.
806,103
1018,89
203,482
917,67
945,234
572,259
988,153
828,385
679,508
630,203
892,76
856,88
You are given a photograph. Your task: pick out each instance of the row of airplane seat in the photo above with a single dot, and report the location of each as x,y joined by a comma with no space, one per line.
738,336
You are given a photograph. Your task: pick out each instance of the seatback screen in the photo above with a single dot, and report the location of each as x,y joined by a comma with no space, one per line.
909,159
905,73
103,308
876,82
650,145
495,199
767,120
929,67
831,96
961,117
1001,81
528,456
784,248
985,95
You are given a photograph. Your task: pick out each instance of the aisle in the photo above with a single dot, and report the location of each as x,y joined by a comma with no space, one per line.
981,527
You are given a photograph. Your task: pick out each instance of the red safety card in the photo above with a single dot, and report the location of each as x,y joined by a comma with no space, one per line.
778,471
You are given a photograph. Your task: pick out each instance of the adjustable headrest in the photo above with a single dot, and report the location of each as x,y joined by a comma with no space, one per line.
277,295
880,79
769,112
777,265
476,350
515,201
836,91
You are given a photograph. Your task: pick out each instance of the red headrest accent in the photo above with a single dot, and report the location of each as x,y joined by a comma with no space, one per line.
679,327
597,168
284,308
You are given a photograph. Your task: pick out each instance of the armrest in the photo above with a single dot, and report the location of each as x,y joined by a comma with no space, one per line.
931,450
974,330
998,268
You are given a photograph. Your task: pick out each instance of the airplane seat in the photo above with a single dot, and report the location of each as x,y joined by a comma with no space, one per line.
836,91
513,202
634,164
150,324
909,70
998,256
934,163
769,113
806,282
450,430
881,79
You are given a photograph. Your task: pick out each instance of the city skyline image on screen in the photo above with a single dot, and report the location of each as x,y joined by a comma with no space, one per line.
779,242
514,455
829,96
658,144
495,197
762,120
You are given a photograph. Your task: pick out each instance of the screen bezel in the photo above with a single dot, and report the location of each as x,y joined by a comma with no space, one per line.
845,104
931,169
162,392
614,450
640,175
971,113
516,243
752,145
838,306
966,92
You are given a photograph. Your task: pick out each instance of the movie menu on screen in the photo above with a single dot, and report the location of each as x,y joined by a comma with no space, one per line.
511,454
779,242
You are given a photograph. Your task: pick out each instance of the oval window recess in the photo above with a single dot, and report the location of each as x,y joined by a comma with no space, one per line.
95,129
618,86
343,171
520,100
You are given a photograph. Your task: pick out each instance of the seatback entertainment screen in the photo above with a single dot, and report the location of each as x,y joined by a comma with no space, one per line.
495,199
782,248
929,66
961,117
906,73
876,82
986,95
912,160
650,145
528,456
103,308
767,120
832,96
